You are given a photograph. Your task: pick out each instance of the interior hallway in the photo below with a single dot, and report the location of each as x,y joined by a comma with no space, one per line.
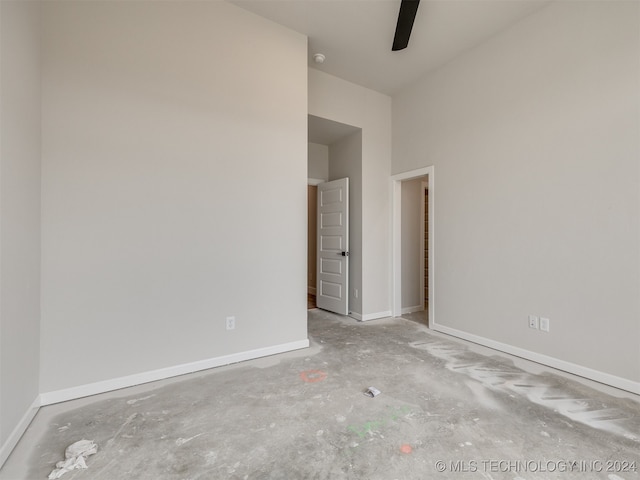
303,415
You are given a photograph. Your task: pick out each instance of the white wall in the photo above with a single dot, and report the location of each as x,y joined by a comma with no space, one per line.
411,225
318,161
19,218
345,161
535,136
171,176
341,101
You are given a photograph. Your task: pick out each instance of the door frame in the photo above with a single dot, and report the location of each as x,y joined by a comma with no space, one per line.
396,239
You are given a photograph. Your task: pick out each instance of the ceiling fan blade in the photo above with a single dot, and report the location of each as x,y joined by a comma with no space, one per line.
406,16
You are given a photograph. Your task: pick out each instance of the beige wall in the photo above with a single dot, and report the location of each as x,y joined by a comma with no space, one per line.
172,183
19,218
318,161
535,137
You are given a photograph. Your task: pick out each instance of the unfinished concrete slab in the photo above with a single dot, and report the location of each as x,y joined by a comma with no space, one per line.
446,410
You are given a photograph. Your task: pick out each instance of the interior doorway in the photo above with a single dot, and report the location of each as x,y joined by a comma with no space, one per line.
413,276
414,249
335,152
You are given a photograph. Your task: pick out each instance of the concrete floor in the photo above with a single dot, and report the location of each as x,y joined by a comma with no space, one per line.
447,410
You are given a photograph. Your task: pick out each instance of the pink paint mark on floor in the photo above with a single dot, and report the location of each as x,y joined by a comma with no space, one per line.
406,448
313,376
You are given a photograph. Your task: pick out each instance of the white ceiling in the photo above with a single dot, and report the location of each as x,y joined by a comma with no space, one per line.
356,35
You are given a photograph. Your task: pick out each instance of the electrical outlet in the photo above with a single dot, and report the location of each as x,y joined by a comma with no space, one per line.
533,322
544,324
231,323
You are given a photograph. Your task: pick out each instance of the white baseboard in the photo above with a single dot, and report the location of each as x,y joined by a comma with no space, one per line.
311,290
416,308
18,431
575,369
376,315
160,374
369,316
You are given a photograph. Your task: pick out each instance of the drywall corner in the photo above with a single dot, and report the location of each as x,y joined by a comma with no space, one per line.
20,163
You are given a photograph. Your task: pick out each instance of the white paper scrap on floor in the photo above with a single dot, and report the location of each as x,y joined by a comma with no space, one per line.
74,455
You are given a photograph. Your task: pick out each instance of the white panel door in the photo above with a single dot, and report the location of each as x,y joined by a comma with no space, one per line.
332,286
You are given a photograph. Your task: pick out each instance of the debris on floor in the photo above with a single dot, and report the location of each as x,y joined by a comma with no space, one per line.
372,392
74,455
